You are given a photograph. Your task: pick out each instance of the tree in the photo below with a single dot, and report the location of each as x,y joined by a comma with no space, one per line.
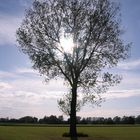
94,28
117,120
128,120
28,119
109,121
137,119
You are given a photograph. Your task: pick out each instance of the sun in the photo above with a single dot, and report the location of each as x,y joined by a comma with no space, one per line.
67,44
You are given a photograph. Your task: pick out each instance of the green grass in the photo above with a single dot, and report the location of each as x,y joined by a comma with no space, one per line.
55,133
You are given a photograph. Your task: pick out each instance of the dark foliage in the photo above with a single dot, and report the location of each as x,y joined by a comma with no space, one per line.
52,120
60,120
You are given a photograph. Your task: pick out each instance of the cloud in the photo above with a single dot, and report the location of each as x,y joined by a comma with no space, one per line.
25,3
134,64
9,25
26,71
5,86
23,92
109,112
30,88
27,81
121,94
4,74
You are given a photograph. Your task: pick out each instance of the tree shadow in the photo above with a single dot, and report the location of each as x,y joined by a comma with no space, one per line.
74,138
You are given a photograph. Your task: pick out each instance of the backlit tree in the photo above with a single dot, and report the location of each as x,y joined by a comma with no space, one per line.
75,40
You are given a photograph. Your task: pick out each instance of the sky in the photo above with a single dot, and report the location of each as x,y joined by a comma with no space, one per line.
24,92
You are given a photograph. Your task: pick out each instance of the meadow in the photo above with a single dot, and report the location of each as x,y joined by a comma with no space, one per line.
55,132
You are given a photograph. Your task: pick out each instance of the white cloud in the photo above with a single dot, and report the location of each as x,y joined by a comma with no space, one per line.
109,112
9,24
133,64
21,89
8,27
25,3
121,94
4,86
24,92
25,70
4,74
29,96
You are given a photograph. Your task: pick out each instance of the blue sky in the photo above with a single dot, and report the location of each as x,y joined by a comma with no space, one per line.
24,92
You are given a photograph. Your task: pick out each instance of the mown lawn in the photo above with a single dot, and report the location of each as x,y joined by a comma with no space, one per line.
55,133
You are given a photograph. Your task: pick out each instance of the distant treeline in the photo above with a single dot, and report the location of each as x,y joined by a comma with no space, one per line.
60,120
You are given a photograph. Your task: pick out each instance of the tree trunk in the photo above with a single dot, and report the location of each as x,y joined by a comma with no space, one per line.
73,130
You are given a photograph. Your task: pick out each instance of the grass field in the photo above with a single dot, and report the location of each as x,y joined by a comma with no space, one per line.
55,133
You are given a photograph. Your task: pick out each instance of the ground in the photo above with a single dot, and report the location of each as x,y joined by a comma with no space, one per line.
55,132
